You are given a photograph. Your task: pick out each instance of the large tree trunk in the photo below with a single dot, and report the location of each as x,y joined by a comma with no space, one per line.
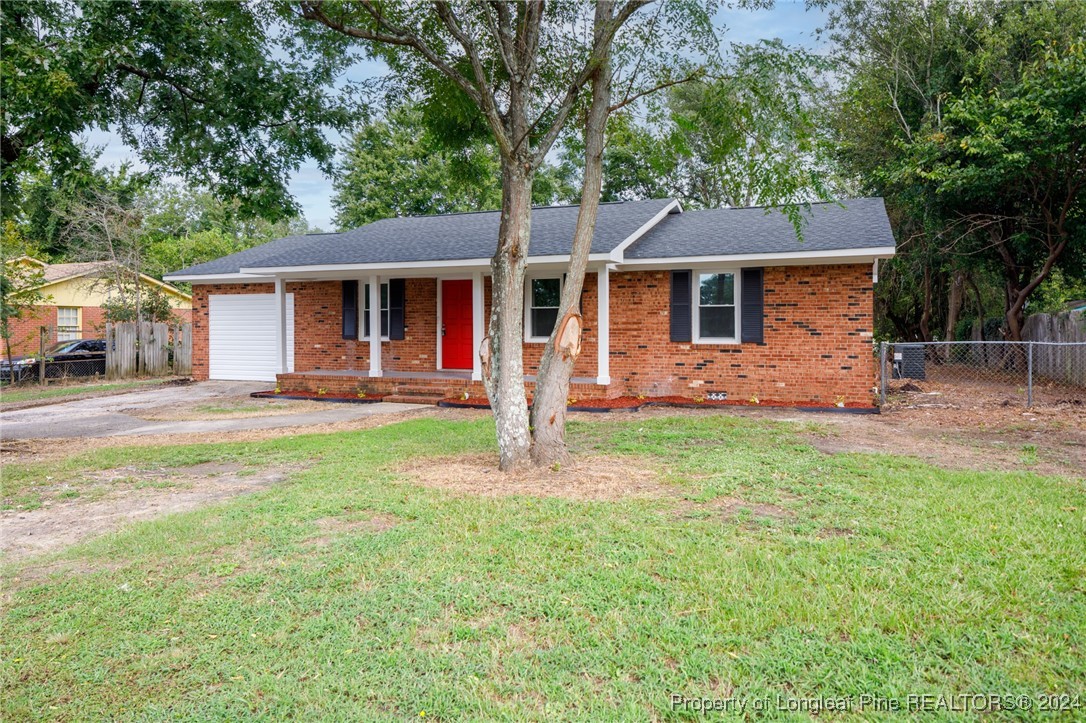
925,316
955,299
503,372
556,366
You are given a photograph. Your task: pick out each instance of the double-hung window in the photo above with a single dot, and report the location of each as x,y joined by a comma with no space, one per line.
366,311
544,298
67,323
715,302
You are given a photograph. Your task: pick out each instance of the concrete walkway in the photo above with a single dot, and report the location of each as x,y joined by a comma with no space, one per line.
111,416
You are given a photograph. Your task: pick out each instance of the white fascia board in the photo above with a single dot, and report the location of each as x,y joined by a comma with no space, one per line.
415,267
784,258
232,278
335,268
619,251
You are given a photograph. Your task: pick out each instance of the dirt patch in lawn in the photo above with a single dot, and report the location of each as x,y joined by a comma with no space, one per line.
731,509
1044,440
40,450
1047,439
109,499
333,528
586,478
226,408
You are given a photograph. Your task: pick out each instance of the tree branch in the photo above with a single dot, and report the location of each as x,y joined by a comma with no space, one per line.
392,34
162,78
658,87
485,92
603,39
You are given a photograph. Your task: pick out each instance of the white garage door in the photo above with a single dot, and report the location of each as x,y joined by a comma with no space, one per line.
241,336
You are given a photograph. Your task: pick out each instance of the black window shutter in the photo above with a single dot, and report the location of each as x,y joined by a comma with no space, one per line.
396,301
752,306
350,309
681,325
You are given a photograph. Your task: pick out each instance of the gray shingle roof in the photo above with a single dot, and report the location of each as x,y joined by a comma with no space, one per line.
862,223
437,238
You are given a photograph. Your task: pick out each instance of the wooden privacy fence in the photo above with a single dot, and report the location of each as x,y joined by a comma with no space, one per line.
148,349
1061,353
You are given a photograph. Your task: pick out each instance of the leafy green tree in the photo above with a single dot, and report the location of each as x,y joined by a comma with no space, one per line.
518,72
46,199
20,284
227,94
967,117
1011,164
154,304
901,61
182,226
398,166
752,135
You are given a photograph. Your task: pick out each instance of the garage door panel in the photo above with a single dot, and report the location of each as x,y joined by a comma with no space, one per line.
241,336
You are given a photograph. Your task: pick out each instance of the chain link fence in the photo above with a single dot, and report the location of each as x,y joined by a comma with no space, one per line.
978,371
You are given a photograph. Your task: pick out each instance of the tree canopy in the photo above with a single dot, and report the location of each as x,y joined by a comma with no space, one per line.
968,118
225,94
397,165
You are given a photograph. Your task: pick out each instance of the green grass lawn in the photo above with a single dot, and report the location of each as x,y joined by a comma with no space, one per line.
34,393
881,576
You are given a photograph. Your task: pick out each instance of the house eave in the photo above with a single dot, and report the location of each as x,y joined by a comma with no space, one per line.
224,278
403,268
166,288
784,258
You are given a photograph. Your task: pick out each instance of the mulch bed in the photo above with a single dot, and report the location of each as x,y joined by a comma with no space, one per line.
314,397
618,404
632,404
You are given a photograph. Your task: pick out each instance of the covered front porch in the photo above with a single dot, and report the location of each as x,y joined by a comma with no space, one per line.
431,326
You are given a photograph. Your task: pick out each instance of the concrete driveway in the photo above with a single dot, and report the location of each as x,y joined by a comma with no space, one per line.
119,415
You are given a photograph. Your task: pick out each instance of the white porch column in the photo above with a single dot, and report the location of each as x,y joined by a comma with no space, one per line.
375,326
603,324
281,326
478,324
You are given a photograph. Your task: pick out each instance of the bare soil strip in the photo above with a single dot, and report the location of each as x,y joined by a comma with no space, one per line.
128,495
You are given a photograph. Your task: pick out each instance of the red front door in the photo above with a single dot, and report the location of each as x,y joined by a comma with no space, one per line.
456,324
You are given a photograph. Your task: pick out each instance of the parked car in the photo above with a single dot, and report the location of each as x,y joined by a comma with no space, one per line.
76,358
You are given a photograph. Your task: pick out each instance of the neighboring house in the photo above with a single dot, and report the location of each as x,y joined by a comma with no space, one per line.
695,303
75,295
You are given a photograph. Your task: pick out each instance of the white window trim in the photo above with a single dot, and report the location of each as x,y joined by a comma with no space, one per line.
528,305
695,307
363,315
75,331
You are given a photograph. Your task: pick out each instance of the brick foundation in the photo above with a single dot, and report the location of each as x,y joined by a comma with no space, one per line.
344,385
817,342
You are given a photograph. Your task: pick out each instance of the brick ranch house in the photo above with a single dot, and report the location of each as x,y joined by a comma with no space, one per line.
689,303
73,307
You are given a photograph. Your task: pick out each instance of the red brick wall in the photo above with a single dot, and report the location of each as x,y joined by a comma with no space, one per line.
818,323
818,345
25,331
318,327
586,363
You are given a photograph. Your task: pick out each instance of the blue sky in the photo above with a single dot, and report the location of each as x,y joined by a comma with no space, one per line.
791,22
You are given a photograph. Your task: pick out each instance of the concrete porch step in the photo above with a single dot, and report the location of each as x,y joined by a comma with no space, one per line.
417,390
414,398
